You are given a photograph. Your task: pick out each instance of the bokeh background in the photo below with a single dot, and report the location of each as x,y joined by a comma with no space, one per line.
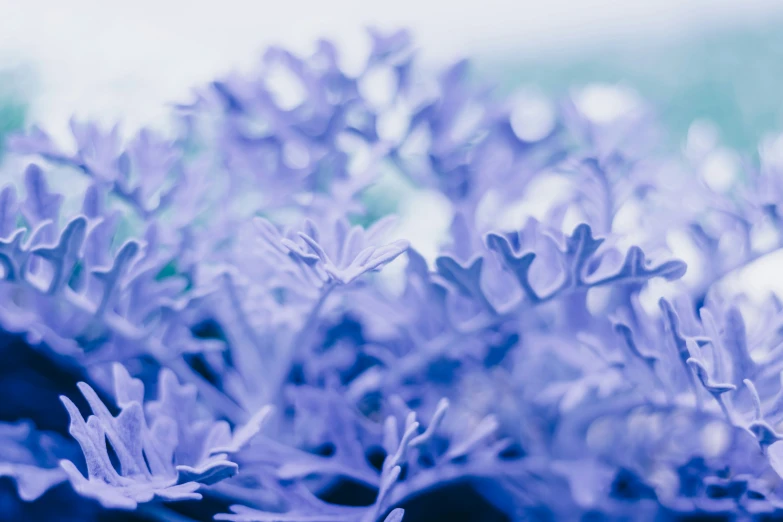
716,60
713,69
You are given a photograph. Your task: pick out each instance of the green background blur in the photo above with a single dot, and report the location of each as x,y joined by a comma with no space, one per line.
732,77
13,103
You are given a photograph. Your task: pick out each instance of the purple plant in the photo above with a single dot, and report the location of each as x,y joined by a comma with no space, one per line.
210,311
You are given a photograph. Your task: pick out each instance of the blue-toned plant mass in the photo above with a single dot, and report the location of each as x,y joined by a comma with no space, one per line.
224,324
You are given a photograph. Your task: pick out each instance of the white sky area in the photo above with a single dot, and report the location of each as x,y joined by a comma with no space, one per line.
124,61
114,60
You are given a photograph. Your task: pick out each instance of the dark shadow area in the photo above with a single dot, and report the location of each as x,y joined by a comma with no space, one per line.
375,457
630,487
59,504
199,365
208,329
204,509
345,492
457,502
496,353
31,384
703,517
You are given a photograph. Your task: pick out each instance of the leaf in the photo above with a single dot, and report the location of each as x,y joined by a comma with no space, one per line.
706,381
672,322
466,279
65,254
775,454
40,204
146,452
111,276
735,341
580,247
243,435
519,264
635,269
395,516
29,458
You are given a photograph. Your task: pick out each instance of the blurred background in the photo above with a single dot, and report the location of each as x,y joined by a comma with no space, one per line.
713,69
713,60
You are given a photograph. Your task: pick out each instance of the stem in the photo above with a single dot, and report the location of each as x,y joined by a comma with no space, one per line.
302,336
724,409
217,398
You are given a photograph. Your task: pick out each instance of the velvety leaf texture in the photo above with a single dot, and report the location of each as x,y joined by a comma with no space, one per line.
239,329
